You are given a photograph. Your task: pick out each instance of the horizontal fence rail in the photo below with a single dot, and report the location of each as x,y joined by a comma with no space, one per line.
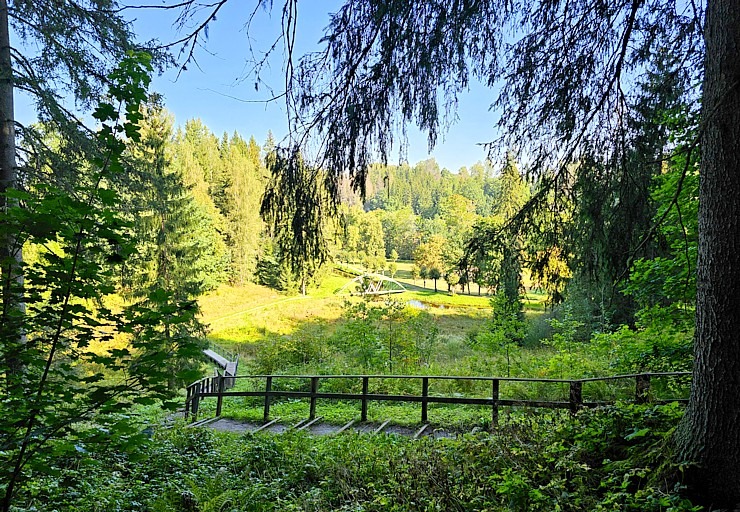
216,387
229,355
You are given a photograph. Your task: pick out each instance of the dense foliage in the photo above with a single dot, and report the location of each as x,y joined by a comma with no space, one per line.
611,459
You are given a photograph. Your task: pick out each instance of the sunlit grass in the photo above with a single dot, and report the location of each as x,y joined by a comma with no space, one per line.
242,316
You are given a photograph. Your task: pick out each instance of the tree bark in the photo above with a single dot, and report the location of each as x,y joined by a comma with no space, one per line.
7,115
11,254
709,435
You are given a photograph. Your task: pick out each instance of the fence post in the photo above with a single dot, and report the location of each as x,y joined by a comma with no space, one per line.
494,402
363,414
188,405
268,389
576,395
314,390
220,400
642,388
424,395
196,399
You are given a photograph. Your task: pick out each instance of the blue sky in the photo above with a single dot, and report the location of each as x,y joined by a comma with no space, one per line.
215,90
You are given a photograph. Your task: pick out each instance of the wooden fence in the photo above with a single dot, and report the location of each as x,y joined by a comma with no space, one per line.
215,387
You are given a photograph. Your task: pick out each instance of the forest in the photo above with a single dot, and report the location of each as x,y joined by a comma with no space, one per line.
596,240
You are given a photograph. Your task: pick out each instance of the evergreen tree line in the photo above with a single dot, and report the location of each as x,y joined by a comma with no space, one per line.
195,200
197,204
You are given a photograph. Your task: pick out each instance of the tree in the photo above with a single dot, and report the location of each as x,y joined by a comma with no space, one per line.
513,190
415,272
422,329
435,273
175,261
505,331
196,159
458,214
370,233
64,65
73,341
392,316
294,206
429,254
452,278
401,232
709,435
359,335
244,169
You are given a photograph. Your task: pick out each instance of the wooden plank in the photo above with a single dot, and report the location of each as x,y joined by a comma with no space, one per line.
345,427
202,422
424,396
576,396
266,425
220,398
219,360
306,425
297,425
642,388
495,403
381,427
314,391
363,414
476,378
397,398
420,431
437,377
230,373
210,420
268,388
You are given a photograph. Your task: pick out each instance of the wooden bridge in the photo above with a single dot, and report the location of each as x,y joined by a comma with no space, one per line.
215,387
372,284
226,360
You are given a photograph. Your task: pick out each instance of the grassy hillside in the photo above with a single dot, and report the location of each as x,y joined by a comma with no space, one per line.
245,315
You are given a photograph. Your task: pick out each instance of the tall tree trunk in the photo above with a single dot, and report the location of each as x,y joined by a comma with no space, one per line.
7,116
10,253
709,434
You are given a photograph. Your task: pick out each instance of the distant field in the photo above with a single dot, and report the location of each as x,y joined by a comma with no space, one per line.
245,315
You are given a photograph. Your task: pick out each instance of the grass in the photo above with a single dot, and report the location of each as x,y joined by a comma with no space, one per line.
251,318
239,317
336,412
244,315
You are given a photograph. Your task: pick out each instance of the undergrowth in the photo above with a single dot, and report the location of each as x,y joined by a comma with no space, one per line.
613,458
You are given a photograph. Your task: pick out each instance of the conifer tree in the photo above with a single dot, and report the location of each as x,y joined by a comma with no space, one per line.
175,262
242,165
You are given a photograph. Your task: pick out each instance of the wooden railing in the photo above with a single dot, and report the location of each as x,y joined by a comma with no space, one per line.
215,387
229,355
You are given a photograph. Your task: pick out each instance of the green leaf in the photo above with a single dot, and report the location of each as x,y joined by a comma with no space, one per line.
105,112
637,434
107,196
